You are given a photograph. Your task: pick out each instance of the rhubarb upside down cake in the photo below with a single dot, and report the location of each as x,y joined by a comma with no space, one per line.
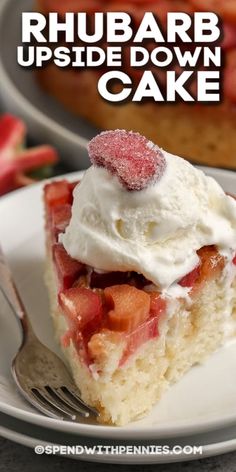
141,272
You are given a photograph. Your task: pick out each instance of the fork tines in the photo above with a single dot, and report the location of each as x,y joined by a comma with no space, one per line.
61,403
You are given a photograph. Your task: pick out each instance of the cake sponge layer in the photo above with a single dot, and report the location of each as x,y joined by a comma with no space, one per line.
188,335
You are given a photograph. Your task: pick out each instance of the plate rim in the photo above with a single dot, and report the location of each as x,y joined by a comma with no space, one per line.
212,449
182,428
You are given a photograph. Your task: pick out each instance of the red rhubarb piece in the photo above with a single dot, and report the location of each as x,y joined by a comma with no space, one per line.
68,269
12,134
127,307
83,308
6,178
234,260
136,161
190,279
57,193
13,166
72,185
14,161
35,158
212,263
22,180
60,218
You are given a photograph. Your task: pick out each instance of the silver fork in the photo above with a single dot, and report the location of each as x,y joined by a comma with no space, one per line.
40,375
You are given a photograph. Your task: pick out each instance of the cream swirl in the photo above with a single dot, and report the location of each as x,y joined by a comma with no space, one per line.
155,231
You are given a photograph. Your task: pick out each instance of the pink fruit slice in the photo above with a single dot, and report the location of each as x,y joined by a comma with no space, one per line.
57,193
127,307
68,270
190,279
83,308
60,218
136,161
212,263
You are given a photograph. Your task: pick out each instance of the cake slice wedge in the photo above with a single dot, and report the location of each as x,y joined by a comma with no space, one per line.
141,272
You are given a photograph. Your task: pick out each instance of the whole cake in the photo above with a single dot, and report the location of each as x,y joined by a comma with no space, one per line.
141,272
204,133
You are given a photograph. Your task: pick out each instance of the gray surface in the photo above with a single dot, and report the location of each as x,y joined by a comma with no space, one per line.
15,458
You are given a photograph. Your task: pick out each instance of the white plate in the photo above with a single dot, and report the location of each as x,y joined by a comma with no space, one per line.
212,444
203,400
47,120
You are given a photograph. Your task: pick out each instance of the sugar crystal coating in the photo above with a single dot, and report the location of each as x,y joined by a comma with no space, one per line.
136,161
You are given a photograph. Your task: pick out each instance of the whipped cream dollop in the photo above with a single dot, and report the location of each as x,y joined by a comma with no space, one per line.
155,231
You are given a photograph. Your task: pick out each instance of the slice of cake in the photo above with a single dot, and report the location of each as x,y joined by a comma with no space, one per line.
141,272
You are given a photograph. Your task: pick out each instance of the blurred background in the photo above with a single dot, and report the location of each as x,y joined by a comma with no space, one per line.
62,108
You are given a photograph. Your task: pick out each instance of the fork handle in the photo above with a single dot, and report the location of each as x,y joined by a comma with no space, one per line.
11,295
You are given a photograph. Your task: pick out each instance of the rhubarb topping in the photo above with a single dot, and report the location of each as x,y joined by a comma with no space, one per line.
57,193
60,218
211,264
83,308
15,161
68,269
128,305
